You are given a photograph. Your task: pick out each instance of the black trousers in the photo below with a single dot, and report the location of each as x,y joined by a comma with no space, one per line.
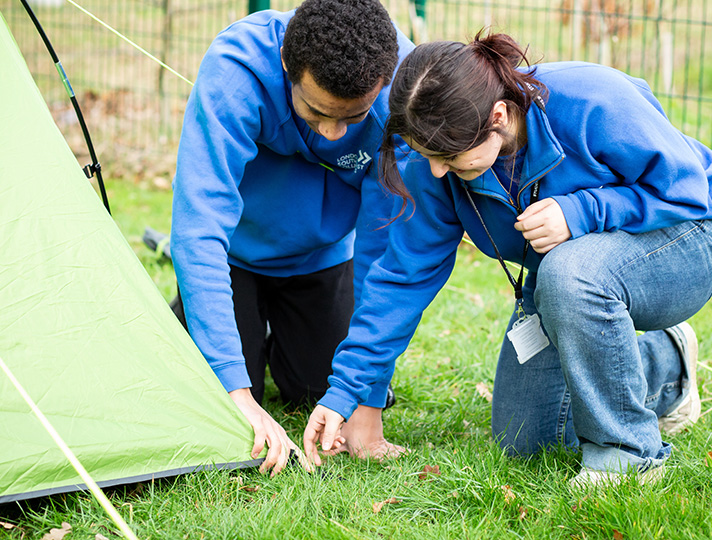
308,317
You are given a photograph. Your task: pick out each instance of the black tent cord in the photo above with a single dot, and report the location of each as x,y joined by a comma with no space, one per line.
94,166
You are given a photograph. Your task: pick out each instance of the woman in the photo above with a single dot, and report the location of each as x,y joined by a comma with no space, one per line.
579,163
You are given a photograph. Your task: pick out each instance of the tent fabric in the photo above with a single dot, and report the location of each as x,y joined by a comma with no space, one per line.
84,329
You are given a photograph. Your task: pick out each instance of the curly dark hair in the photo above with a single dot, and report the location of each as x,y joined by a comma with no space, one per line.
348,46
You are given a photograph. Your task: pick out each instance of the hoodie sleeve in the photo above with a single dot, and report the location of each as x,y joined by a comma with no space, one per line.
399,286
222,121
652,176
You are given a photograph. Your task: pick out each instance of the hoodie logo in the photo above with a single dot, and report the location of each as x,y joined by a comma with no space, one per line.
354,161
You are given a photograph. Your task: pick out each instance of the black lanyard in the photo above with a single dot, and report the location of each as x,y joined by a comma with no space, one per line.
519,282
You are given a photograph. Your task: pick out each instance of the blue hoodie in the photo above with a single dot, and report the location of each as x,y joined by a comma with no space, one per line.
255,187
604,150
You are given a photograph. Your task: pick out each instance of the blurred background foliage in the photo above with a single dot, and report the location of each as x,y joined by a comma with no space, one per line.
134,107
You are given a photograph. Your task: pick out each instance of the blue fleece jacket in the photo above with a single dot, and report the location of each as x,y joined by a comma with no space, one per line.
604,150
255,187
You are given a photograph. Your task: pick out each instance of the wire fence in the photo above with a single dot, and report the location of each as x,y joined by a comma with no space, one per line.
134,107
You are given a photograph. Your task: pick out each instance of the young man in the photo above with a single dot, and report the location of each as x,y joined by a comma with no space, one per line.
277,209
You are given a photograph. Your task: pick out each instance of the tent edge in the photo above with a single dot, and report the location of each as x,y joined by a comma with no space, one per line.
232,465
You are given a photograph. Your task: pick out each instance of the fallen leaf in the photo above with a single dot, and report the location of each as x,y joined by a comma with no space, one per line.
7,526
251,489
428,470
58,534
522,513
709,459
617,535
484,391
378,505
509,495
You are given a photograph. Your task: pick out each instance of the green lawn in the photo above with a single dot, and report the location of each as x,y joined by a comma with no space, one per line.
441,415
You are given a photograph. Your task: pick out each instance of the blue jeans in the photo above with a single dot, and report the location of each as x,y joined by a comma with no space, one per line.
599,384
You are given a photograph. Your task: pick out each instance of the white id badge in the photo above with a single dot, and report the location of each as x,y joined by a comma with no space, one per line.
527,337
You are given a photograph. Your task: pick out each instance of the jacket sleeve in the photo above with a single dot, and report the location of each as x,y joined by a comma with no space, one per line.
222,121
652,176
371,230
399,286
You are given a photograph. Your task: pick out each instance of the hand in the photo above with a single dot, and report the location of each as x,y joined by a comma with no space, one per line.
544,225
324,427
267,430
361,436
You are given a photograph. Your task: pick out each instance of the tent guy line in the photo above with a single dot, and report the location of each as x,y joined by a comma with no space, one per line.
127,40
88,480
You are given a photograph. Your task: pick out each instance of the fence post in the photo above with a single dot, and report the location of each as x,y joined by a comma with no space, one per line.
257,5
166,38
419,31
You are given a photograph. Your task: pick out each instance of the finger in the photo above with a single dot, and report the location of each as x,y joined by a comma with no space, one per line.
258,443
273,453
302,459
531,222
544,246
311,436
282,459
535,234
330,434
340,450
538,206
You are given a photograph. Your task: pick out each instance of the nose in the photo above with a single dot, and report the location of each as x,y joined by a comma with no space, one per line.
332,130
438,167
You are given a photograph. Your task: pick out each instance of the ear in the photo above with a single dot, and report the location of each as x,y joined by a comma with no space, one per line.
281,57
500,114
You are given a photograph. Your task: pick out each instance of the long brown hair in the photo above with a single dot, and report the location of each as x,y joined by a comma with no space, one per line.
443,94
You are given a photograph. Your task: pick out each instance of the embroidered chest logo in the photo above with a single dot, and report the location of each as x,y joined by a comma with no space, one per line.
354,161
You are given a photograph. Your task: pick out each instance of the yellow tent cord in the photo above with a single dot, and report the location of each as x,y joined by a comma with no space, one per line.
127,40
88,480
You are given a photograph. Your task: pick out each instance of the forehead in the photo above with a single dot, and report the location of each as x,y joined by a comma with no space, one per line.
322,102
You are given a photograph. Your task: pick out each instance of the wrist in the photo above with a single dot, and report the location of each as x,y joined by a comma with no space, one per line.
242,395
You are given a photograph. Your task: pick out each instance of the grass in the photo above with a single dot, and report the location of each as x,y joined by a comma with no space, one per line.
441,416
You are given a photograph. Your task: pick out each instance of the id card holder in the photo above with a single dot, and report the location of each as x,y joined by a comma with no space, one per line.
527,337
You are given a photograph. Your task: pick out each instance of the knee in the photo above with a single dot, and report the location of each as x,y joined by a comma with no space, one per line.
568,280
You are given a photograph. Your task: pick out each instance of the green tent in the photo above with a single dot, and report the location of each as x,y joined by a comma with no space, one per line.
84,330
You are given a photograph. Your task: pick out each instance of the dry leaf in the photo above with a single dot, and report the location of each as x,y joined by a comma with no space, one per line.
522,512
617,535
484,391
509,495
58,534
377,506
251,489
7,526
709,459
428,470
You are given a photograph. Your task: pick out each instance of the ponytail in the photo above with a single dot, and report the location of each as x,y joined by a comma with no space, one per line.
443,94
